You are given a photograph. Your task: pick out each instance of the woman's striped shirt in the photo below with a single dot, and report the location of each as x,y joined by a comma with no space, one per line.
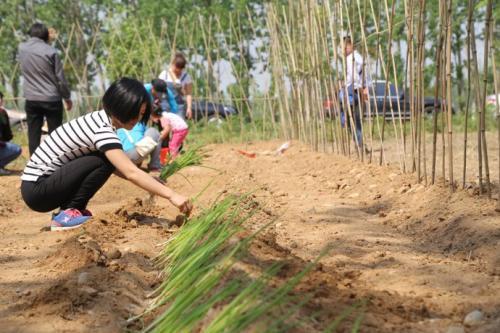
78,137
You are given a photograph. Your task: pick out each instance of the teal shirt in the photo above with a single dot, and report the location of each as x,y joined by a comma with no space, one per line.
136,133
170,98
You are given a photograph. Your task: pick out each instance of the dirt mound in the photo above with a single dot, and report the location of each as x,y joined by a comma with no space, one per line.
419,258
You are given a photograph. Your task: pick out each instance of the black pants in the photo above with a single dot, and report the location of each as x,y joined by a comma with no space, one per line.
70,186
35,112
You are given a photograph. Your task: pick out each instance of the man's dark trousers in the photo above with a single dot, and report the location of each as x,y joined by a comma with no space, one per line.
35,112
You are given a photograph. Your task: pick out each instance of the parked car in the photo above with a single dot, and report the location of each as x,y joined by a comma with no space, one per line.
382,102
212,112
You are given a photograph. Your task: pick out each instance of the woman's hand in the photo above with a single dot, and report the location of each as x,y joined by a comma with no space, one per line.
131,172
183,203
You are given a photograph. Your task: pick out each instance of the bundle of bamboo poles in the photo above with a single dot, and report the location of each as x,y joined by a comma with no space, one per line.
308,63
301,48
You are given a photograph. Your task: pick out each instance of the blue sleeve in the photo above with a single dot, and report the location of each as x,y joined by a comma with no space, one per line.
171,101
149,90
126,144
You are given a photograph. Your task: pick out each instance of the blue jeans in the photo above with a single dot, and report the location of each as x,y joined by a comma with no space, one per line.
345,121
8,153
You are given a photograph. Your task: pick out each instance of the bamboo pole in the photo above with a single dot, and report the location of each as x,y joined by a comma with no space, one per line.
495,81
435,108
485,85
448,95
469,24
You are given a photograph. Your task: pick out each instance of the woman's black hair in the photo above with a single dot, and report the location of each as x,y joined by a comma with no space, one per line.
124,98
1,95
39,30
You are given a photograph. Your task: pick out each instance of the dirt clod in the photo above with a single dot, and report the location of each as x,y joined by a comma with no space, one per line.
114,254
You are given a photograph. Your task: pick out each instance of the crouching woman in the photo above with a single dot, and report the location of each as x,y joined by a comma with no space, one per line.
77,159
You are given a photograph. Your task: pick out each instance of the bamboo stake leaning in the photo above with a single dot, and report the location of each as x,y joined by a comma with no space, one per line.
495,82
448,95
436,95
485,85
469,24
479,107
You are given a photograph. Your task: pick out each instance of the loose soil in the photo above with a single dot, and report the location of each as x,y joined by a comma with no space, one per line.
420,257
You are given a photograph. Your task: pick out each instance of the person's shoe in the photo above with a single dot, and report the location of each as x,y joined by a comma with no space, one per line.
86,212
68,219
4,172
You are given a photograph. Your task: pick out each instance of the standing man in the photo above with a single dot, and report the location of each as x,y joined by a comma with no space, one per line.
181,84
44,84
357,81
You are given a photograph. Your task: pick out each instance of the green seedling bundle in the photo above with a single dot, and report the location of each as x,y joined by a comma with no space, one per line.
203,292
189,158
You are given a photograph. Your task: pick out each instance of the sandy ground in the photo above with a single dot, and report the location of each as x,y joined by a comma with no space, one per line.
422,258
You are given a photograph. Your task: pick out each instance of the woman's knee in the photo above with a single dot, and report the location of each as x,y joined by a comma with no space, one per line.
153,133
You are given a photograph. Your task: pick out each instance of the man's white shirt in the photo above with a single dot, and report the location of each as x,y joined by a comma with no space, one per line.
354,74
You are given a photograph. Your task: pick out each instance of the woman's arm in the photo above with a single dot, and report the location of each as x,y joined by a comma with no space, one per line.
131,172
188,90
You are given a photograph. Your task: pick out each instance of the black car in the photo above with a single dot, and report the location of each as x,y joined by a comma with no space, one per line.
387,102
393,97
210,111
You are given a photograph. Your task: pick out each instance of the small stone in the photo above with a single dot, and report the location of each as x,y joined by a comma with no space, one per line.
89,291
473,318
354,195
83,278
455,329
26,293
114,266
133,223
114,254
403,190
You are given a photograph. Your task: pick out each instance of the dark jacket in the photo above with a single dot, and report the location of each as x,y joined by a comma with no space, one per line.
42,70
5,131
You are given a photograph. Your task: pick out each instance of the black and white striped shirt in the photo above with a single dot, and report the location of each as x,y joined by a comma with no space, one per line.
81,136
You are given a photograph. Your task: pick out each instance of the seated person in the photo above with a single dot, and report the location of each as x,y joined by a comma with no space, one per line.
8,151
161,95
173,125
141,142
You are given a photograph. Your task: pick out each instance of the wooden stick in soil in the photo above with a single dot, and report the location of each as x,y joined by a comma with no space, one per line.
495,82
485,80
448,96
435,108
420,107
390,19
479,107
378,57
469,23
